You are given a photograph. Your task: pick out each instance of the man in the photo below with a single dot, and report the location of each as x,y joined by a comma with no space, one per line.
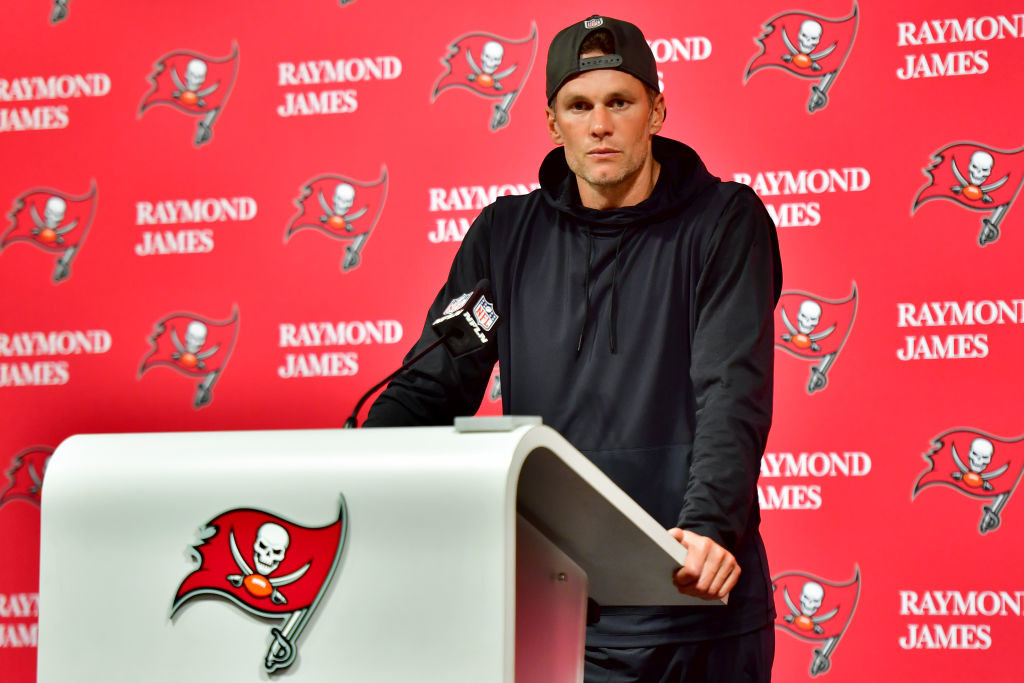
638,294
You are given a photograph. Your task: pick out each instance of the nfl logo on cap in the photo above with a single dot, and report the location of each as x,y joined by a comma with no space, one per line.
593,22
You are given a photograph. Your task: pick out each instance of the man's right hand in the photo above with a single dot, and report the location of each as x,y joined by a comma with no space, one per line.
710,571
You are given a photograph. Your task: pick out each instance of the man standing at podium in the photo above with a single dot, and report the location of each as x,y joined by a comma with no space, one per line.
637,292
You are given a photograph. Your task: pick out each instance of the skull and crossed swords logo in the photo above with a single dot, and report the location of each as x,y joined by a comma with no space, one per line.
811,596
190,91
190,354
808,39
271,544
48,228
490,59
337,215
979,169
807,318
979,458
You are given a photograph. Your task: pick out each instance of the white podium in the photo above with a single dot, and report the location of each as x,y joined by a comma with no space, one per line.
392,555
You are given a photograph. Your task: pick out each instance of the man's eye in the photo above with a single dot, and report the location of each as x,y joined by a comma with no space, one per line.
577,106
619,104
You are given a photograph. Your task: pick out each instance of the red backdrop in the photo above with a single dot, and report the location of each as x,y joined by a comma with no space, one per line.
175,254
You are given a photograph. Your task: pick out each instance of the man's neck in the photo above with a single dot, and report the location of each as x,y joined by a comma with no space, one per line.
630,192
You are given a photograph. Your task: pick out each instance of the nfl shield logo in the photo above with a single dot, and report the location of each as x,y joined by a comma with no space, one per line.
484,314
593,22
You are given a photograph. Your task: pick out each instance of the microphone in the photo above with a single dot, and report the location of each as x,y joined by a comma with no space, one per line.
466,325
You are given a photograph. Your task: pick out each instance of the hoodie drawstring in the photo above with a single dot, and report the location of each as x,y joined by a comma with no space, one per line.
613,329
586,289
613,336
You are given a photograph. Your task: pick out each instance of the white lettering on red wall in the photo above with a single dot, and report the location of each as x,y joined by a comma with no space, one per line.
19,613
818,181
969,344
331,100
331,363
816,466
973,606
20,373
954,62
34,88
187,211
461,204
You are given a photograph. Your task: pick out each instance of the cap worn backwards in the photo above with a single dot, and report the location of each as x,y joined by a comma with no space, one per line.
632,53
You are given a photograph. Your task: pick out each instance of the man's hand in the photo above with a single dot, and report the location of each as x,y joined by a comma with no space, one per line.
710,571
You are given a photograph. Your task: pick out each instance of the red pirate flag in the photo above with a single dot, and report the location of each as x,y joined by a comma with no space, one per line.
807,46
815,610
26,475
268,566
808,326
812,608
975,463
193,83
192,345
490,66
53,221
977,177
341,208
978,465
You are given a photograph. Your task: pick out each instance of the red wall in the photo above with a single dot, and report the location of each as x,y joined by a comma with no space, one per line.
158,231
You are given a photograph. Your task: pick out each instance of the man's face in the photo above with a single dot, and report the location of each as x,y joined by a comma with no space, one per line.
604,120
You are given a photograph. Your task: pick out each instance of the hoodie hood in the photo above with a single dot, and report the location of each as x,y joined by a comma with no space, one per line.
683,177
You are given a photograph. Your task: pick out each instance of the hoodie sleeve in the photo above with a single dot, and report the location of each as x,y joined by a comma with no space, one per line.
731,369
438,387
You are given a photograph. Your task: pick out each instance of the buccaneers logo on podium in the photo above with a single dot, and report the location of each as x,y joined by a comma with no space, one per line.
194,84
978,465
269,567
53,221
343,209
815,610
26,475
810,327
806,46
977,177
489,66
194,346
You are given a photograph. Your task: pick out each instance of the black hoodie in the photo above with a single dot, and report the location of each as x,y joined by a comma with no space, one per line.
644,336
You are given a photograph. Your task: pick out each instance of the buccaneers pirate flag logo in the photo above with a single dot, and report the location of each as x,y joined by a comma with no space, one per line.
194,346
269,567
978,465
25,477
489,66
808,326
806,46
54,221
343,209
194,84
815,610
977,177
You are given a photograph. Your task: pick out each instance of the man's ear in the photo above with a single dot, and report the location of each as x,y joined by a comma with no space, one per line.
658,114
553,129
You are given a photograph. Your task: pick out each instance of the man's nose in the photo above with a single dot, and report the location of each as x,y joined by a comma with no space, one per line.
600,122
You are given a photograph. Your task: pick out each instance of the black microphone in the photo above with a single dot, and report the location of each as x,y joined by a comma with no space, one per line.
466,325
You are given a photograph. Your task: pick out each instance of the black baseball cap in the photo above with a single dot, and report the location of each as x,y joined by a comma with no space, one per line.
632,53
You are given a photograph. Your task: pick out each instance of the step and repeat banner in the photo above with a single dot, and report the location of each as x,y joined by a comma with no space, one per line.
233,215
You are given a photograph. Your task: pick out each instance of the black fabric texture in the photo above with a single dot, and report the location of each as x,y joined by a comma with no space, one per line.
642,334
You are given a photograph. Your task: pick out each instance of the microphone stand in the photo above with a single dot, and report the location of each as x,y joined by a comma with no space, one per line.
351,422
